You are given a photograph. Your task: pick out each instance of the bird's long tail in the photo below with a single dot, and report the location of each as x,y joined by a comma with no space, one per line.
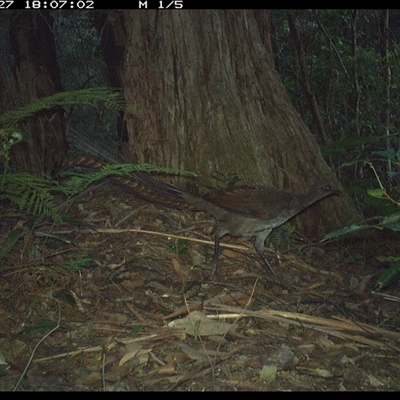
141,184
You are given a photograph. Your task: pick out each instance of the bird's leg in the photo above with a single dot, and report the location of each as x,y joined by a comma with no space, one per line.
268,266
259,246
217,249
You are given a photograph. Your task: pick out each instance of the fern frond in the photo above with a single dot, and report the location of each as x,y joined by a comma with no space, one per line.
112,99
34,194
31,194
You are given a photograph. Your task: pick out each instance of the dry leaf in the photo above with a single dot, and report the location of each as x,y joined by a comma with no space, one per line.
135,351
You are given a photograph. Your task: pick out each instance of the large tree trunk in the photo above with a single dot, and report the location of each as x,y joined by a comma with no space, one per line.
35,74
205,96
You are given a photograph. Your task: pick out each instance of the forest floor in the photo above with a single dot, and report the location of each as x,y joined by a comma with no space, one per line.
118,299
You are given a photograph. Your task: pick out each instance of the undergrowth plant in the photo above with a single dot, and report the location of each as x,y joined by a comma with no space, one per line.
34,193
391,221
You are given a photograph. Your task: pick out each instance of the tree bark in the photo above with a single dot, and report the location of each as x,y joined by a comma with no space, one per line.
204,96
35,74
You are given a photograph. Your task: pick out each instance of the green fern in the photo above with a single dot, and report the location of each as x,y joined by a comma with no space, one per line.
31,194
111,98
34,194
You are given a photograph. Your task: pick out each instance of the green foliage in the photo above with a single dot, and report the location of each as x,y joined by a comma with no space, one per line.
225,181
39,329
391,221
111,98
349,82
344,144
74,265
32,194
35,194
348,229
12,238
389,274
